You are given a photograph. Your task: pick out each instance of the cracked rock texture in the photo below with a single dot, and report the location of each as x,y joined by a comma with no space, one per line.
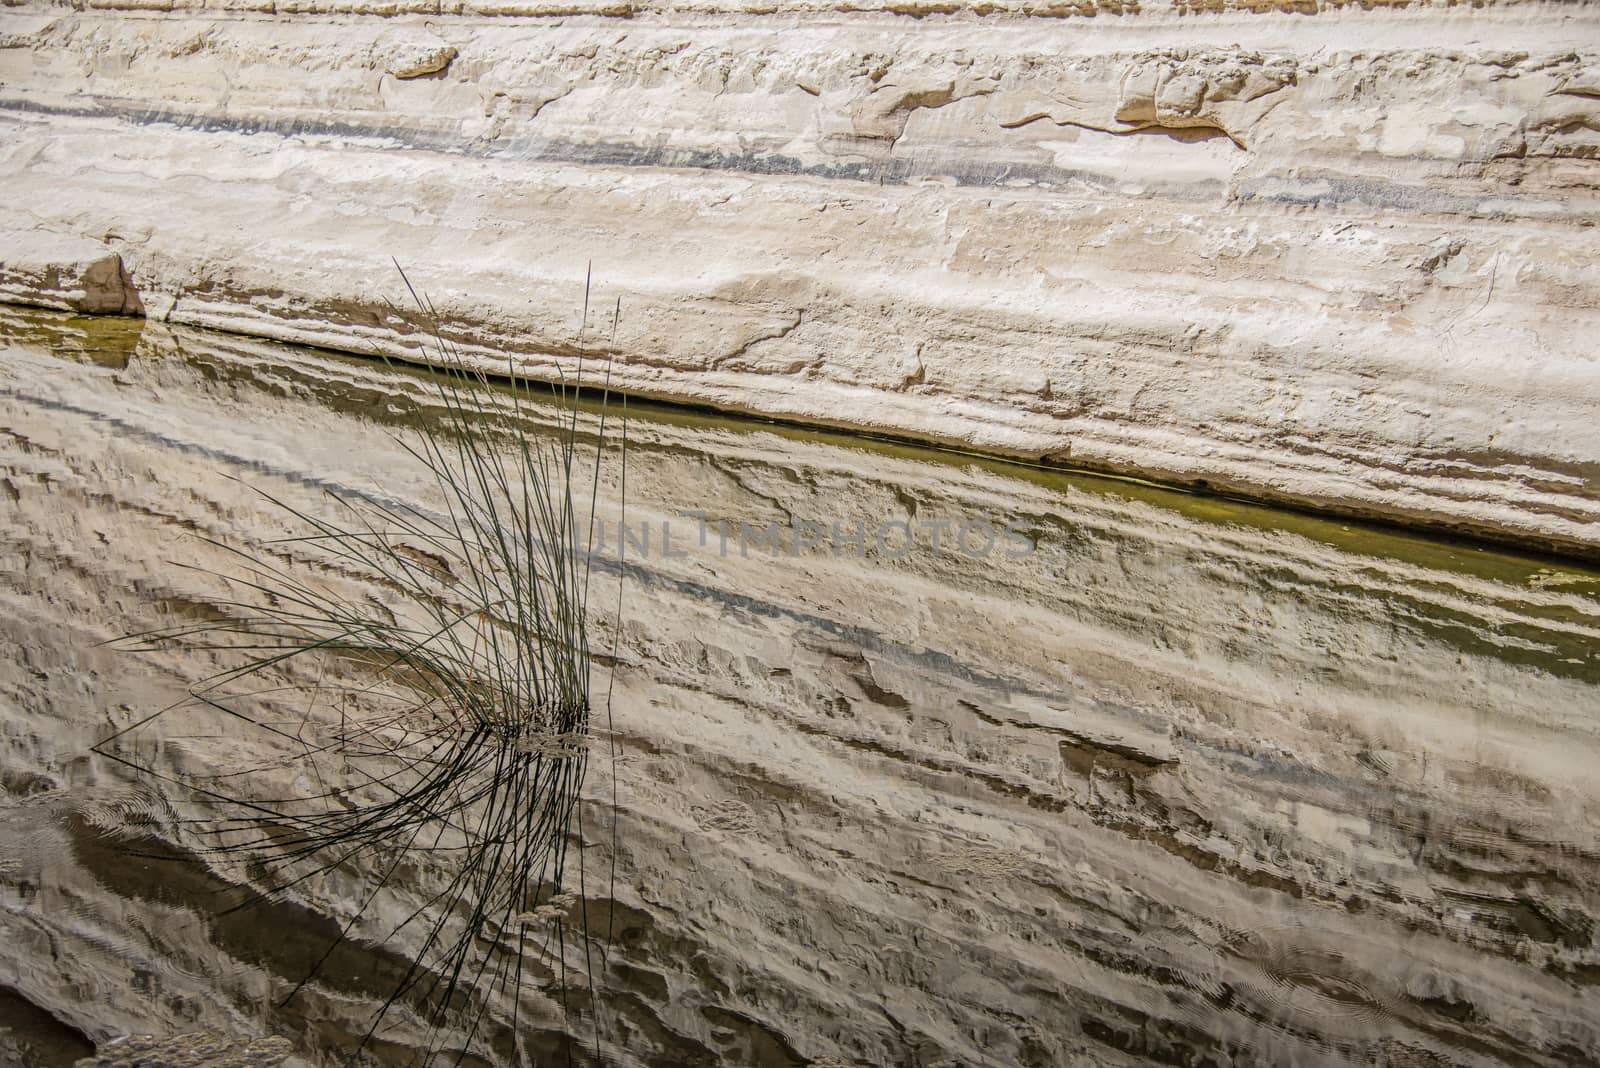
1193,783
1330,253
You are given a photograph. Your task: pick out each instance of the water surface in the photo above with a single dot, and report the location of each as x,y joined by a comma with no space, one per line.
1193,782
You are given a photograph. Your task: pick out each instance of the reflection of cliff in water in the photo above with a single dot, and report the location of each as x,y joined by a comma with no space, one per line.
1192,783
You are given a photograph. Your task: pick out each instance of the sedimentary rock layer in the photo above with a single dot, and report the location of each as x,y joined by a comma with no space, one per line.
1191,783
1329,253
65,273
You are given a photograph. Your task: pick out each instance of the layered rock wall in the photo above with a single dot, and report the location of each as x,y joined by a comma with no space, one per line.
1340,255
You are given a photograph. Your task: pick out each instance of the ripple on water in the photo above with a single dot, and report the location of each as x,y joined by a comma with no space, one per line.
1307,985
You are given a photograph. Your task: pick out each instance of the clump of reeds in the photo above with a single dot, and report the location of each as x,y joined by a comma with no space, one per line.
448,725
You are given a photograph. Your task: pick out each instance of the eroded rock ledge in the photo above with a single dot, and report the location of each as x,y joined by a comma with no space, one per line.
1346,261
64,273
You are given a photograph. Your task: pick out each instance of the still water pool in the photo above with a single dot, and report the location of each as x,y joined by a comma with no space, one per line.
1187,782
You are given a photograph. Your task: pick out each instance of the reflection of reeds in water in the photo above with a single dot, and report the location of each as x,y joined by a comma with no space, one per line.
447,735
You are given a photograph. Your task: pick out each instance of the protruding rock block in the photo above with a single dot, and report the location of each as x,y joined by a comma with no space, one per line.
414,54
61,271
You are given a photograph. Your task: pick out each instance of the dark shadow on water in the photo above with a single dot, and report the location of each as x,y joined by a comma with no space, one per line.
30,1037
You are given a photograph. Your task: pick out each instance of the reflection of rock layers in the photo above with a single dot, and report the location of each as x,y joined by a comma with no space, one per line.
1339,254
1192,783
31,1037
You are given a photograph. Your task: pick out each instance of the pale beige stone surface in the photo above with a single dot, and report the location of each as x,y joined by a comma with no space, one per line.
1341,255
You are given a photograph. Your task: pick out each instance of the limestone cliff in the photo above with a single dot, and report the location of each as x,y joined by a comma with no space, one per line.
1336,254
